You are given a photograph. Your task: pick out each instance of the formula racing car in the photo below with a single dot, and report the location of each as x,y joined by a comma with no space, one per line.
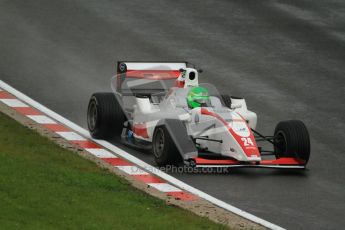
161,107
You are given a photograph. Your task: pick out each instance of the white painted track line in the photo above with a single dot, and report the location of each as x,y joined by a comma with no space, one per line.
13,103
137,161
71,136
101,153
41,119
164,187
132,170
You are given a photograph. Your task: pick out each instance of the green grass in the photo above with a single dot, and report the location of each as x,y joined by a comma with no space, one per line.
43,186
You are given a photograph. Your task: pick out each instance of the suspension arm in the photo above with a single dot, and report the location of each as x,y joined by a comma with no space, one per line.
263,137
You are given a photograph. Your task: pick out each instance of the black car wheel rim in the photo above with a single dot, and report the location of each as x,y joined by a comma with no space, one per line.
280,143
92,118
159,143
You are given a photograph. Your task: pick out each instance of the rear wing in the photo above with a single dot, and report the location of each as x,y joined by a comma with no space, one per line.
147,70
128,66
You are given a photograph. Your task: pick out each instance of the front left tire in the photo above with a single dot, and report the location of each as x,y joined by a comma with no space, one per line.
164,148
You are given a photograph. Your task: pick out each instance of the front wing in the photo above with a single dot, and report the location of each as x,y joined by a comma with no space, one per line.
284,162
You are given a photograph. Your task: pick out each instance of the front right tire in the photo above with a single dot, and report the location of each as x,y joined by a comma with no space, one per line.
227,100
292,140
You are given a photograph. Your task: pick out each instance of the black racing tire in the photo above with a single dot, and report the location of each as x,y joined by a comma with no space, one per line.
164,148
291,139
227,100
105,116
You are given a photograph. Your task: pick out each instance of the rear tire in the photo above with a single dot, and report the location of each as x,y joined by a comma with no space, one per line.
105,116
164,148
292,140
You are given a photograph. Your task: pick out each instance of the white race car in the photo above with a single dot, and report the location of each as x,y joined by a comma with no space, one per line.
162,107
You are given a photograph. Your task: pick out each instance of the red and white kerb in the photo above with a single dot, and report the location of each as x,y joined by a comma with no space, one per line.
94,149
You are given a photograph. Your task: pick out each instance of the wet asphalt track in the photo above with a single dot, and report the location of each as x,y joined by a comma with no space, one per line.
286,57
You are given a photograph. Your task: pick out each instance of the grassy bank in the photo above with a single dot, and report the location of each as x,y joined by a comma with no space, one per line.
43,186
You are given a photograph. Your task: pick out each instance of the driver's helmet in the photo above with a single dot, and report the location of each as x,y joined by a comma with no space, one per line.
198,97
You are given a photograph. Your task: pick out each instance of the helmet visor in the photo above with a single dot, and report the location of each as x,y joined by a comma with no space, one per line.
202,101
